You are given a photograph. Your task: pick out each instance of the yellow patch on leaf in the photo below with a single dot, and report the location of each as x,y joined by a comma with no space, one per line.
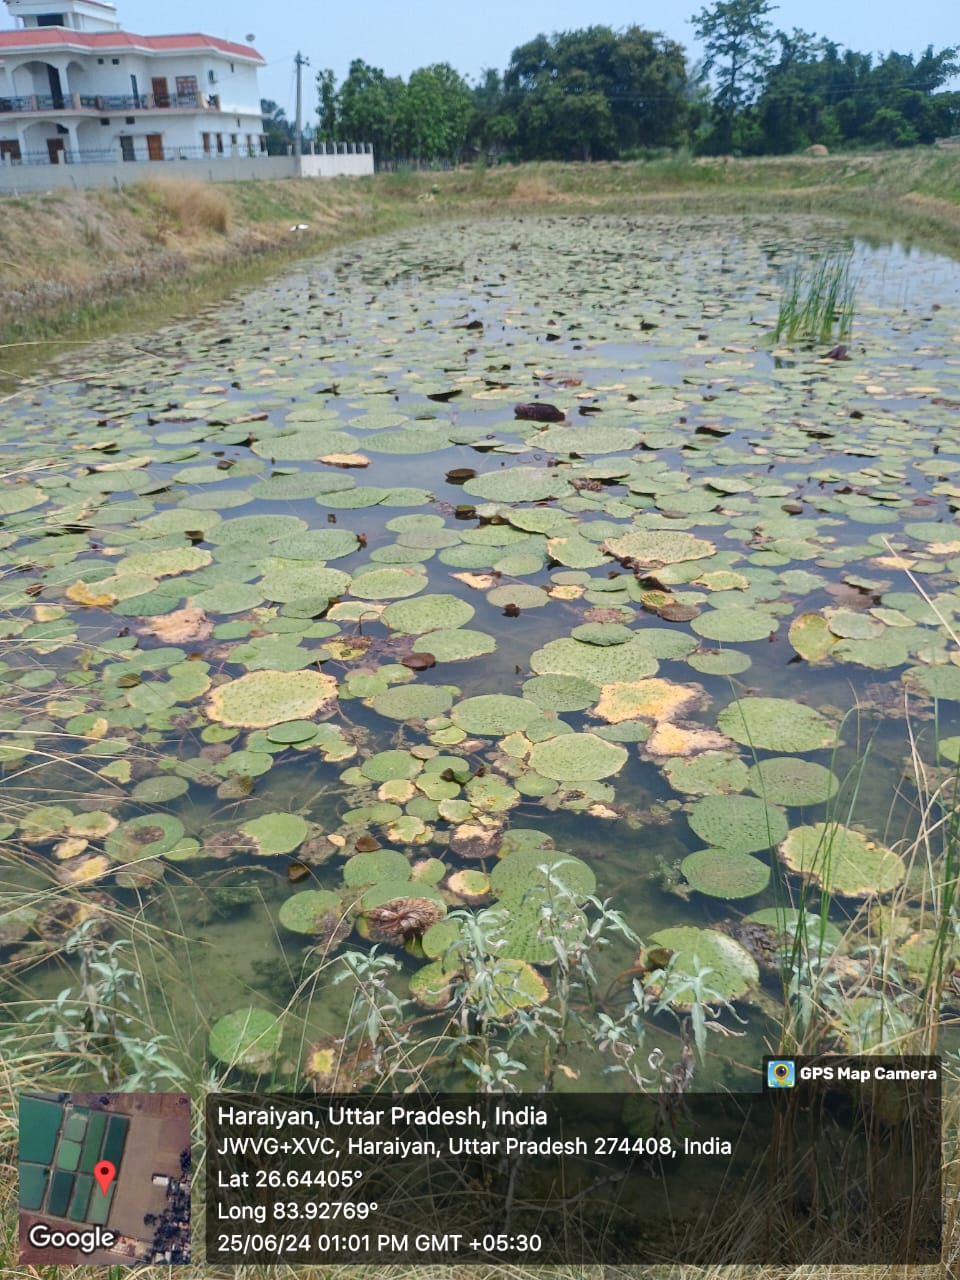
653,699
674,740
345,459
479,581
348,648
98,729
396,791
566,591
180,626
81,593
70,848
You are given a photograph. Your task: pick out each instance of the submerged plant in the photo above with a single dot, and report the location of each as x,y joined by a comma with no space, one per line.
818,300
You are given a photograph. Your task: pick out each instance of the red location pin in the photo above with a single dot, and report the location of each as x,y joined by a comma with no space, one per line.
104,1172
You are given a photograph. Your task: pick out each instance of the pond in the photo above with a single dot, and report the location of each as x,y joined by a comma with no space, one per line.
484,638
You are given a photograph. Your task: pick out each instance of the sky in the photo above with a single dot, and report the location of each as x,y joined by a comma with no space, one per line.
401,35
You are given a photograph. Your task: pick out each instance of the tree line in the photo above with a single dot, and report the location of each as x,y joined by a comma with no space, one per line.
602,94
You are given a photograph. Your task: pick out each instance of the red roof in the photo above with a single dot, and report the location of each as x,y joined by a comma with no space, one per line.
46,37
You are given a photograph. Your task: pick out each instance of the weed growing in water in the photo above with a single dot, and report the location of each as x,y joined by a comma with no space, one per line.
818,300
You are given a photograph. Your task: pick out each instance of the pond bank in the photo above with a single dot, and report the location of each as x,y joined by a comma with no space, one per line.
80,265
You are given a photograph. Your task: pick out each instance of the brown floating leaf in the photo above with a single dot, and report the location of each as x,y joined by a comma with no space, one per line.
179,626
471,840
678,612
511,611
366,844
538,412
419,661
403,919
460,475
297,871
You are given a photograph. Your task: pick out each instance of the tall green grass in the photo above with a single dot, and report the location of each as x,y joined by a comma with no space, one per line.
818,300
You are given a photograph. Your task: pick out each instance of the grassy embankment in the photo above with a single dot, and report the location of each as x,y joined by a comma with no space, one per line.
75,265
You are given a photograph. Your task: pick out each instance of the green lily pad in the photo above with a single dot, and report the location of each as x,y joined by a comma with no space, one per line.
654,547
738,823
732,970
388,584
938,682
276,832
388,765
494,714
310,911
291,732
735,625
723,873
246,1038
721,662
414,701
630,661
561,693
786,780
576,757
265,698
144,837
811,636
159,790
842,861
710,773
458,644
518,484
427,613
776,724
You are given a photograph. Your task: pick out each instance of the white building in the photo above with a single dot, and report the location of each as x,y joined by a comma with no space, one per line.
76,88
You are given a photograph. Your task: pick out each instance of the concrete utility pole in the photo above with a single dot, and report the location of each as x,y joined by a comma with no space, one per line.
299,62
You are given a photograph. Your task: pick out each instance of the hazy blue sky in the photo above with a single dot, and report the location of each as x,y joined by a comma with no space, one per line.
404,34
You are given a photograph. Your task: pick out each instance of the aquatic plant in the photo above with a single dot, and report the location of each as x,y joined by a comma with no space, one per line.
818,299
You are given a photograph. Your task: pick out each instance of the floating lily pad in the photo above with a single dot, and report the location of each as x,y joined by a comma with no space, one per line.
388,584
246,1038
458,644
561,693
310,911
656,547
494,714
518,484
776,724
938,682
646,699
732,970
575,757
413,701
723,873
707,774
842,861
265,698
735,625
630,661
741,824
276,833
720,662
811,636
144,837
159,790
786,780
427,613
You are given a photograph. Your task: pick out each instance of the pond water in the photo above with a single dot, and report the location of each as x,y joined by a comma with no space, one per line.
301,620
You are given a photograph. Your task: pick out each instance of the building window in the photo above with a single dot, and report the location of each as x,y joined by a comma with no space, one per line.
115,61
219,144
130,120
231,68
263,144
206,143
250,150
105,121
9,149
211,77
187,91
99,62
50,20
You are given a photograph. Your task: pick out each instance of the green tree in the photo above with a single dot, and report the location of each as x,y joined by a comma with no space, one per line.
737,39
436,114
370,106
493,124
327,106
595,93
276,127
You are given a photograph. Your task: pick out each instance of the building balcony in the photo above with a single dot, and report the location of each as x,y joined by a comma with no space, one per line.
98,104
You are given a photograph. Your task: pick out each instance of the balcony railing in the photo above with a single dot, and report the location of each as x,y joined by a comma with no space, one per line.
111,102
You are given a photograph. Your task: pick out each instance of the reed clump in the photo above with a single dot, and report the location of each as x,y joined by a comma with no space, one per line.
818,300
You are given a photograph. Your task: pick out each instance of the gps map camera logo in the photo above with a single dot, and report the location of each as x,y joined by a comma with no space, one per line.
781,1074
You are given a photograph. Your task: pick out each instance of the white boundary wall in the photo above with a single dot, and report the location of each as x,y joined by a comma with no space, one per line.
17,179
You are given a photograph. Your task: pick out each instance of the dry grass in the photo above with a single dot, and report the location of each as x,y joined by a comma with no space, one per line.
186,205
